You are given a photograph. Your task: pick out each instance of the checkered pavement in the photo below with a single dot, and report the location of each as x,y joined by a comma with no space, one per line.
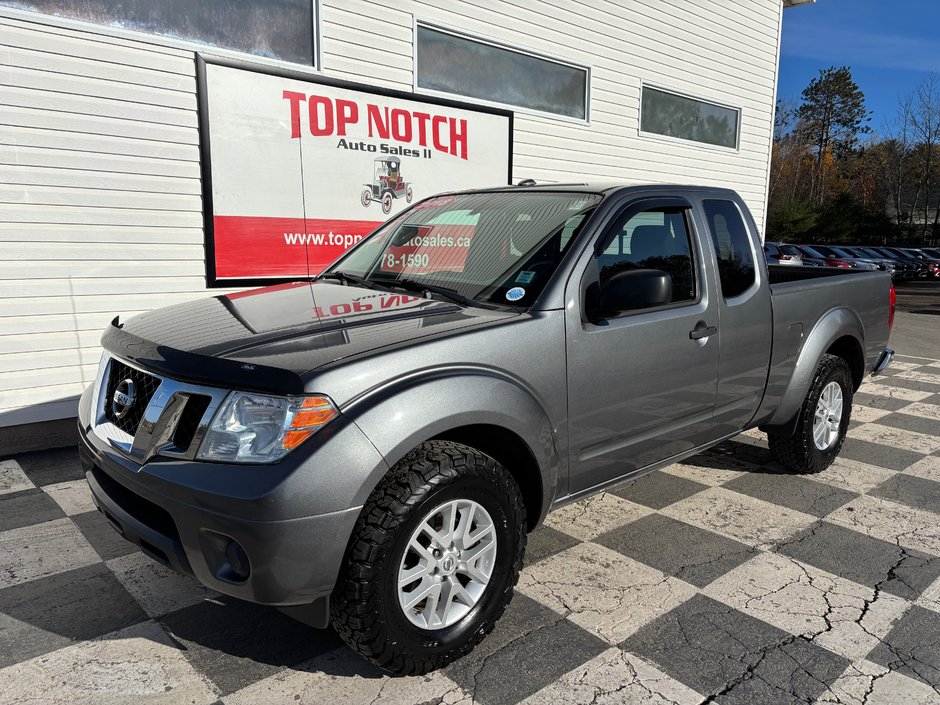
719,579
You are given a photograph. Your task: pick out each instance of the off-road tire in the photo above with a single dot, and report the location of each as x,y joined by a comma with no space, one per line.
798,453
364,608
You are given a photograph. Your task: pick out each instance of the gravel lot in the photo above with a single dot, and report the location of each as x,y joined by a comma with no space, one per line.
715,580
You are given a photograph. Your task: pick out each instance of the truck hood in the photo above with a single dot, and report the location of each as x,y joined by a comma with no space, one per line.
269,339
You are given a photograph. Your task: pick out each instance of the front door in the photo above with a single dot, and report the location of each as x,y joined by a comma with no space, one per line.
641,384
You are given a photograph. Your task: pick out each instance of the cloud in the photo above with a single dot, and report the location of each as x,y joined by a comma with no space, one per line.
855,48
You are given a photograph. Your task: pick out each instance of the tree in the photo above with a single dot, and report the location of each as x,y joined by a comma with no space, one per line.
898,151
832,116
923,116
790,221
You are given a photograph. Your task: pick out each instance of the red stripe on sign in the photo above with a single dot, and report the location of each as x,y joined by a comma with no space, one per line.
249,246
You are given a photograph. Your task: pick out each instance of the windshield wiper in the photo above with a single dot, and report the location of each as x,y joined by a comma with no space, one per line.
348,278
424,288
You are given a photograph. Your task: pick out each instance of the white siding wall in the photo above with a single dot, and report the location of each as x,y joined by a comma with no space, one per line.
722,50
100,207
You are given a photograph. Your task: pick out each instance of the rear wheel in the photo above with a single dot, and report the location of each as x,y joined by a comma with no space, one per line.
822,423
432,561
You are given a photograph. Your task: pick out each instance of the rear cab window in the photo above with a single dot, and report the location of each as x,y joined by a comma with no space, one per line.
733,248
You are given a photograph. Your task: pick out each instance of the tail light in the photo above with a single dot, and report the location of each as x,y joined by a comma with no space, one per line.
784,258
833,262
892,303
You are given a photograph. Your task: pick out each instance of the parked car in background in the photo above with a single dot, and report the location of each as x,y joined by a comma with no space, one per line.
829,257
811,258
931,252
933,263
779,253
920,266
902,269
898,270
856,255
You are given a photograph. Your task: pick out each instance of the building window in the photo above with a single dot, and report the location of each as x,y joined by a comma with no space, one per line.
451,63
278,29
673,115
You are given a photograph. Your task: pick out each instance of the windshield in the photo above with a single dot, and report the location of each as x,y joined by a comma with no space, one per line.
490,248
824,251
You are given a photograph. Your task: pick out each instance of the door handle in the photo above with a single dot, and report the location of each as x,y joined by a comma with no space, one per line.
702,331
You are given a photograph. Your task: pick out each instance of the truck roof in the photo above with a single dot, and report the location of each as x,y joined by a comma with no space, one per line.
602,187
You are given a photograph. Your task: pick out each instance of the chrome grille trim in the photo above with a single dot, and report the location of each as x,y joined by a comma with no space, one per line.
155,434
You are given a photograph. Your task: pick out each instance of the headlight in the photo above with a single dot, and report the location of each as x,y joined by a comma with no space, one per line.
257,428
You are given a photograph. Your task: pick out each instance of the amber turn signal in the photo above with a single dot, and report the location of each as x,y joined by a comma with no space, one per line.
312,414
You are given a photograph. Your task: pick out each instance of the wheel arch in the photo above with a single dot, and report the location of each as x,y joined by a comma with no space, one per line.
513,453
479,408
838,332
849,349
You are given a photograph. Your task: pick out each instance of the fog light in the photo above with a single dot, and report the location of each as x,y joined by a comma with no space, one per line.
237,560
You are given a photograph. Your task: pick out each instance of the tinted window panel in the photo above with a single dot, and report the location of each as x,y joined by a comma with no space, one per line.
653,239
475,69
732,247
674,115
279,29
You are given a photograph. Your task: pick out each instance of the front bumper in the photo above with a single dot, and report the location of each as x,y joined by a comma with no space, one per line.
189,524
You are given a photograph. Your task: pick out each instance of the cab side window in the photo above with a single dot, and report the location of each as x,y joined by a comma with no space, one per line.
652,239
732,246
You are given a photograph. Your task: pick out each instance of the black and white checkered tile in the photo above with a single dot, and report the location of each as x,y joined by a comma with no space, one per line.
720,579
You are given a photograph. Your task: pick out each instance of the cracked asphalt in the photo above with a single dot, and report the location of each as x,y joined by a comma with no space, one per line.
718,580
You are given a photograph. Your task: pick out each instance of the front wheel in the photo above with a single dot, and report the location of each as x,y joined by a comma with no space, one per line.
432,561
387,202
366,197
822,423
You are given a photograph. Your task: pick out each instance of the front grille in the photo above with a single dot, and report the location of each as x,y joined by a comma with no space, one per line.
144,387
189,421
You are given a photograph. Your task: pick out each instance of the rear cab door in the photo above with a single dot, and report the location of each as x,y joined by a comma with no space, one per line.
745,313
642,383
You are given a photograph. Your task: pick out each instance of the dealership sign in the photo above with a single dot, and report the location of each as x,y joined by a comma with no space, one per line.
296,171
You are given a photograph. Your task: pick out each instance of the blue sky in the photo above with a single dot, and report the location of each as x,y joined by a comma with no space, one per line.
890,45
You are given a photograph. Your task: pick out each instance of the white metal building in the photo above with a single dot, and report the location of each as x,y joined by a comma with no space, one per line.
101,194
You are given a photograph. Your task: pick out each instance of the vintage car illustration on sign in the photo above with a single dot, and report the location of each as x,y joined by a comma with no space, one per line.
387,184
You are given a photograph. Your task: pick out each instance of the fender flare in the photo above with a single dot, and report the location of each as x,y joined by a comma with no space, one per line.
834,324
405,412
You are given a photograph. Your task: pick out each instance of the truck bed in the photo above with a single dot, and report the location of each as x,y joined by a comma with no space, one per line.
780,273
801,297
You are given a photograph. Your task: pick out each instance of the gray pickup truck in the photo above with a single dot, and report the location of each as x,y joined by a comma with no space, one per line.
369,448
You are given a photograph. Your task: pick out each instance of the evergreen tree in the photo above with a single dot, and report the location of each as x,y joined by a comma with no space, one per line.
832,116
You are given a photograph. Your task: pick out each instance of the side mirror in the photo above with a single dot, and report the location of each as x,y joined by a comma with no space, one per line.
636,288
406,233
